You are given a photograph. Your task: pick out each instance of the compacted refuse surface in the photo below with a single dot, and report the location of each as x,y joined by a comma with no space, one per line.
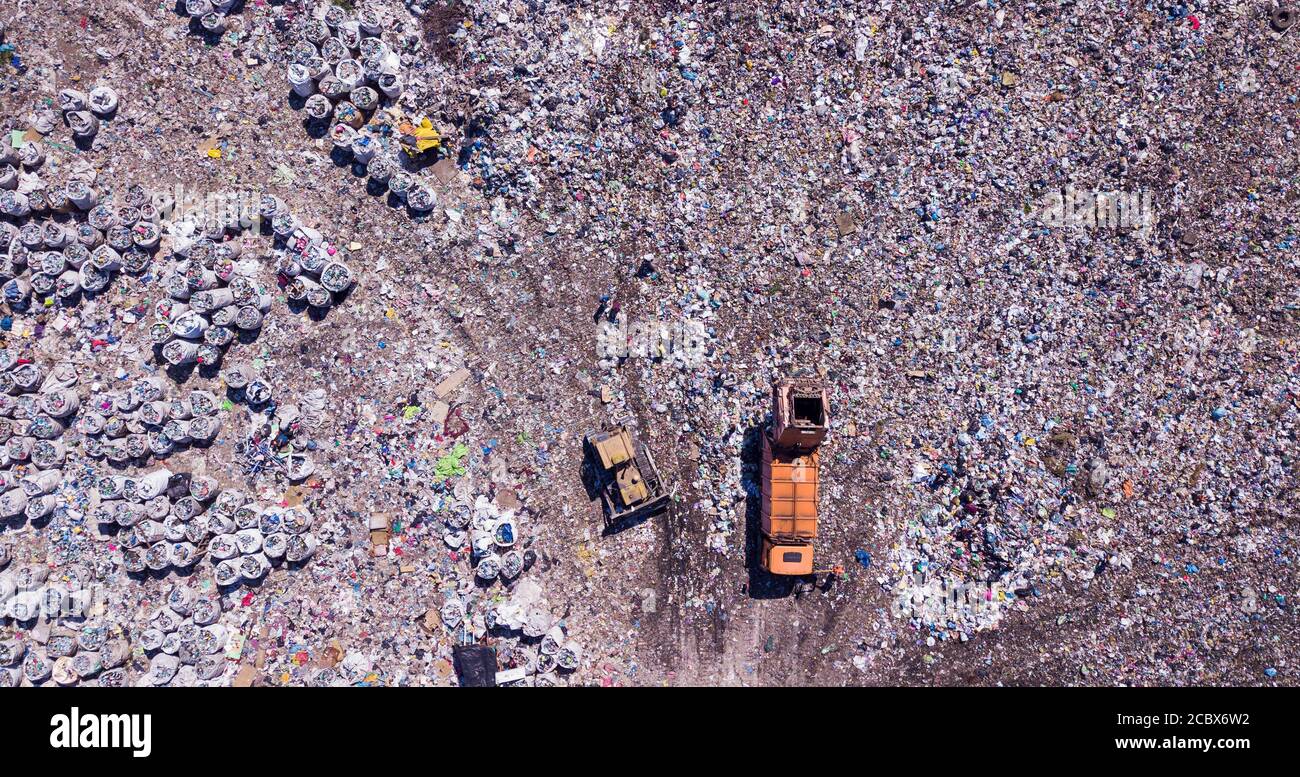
307,308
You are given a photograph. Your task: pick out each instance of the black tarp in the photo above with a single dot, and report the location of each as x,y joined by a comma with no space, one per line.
476,665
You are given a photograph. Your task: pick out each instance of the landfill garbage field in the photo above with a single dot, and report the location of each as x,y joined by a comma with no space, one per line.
528,342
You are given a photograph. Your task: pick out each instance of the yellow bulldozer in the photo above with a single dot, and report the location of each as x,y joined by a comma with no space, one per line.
627,478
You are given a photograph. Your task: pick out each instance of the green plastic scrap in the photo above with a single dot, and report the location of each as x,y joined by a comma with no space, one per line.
453,463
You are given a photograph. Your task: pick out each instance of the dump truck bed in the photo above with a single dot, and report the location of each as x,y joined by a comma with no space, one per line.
789,493
800,413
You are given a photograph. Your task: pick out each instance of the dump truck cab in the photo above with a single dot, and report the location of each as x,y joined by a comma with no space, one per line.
787,559
628,478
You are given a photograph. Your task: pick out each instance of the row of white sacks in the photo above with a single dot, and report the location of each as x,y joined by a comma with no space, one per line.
242,538
142,421
35,409
45,257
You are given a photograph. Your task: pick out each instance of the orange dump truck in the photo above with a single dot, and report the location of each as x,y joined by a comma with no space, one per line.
790,477
789,509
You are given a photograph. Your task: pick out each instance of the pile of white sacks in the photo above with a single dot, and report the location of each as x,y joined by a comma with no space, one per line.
172,520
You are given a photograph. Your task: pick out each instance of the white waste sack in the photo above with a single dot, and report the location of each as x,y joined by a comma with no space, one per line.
103,100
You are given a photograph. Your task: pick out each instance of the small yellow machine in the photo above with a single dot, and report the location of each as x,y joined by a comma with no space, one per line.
628,478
